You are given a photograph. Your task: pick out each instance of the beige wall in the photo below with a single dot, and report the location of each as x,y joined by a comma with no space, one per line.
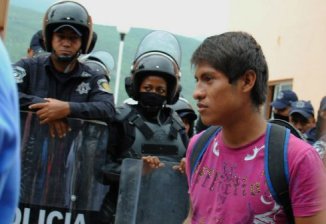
292,34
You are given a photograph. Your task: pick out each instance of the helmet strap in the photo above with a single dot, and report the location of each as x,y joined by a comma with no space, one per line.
69,60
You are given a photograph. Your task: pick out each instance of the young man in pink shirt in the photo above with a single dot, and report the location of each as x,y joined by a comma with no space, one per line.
229,185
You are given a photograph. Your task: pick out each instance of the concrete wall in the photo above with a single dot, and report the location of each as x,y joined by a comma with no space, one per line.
292,34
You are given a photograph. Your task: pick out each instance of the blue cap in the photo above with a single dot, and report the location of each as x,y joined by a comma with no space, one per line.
302,107
58,29
284,99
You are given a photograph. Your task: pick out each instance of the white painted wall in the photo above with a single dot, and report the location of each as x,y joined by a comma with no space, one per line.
292,34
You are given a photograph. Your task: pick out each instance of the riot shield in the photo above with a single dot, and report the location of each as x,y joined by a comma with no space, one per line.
60,181
159,196
160,41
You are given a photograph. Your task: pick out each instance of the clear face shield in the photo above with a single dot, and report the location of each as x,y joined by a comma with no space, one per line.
160,41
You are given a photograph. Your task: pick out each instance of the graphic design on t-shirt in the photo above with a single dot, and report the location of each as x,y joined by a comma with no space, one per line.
215,148
237,184
253,156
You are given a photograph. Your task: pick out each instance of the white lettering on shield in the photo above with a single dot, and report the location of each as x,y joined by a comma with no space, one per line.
50,218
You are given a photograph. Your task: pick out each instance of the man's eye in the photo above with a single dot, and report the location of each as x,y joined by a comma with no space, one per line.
207,78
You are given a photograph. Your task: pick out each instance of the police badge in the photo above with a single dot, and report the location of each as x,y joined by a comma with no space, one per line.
83,88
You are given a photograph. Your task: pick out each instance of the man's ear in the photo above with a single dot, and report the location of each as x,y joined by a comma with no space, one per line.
248,80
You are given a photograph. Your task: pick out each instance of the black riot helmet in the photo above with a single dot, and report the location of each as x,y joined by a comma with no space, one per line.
101,61
68,13
184,109
159,54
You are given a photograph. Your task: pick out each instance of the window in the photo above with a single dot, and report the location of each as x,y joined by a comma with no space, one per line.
274,87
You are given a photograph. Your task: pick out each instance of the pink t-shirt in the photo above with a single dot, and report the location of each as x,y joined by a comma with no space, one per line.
229,184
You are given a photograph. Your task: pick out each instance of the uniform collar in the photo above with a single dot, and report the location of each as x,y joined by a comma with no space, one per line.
78,71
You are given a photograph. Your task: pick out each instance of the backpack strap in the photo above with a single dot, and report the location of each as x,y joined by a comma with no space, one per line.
201,145
276,148
276,166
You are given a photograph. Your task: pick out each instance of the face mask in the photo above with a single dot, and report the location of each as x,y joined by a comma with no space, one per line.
281,117
151,102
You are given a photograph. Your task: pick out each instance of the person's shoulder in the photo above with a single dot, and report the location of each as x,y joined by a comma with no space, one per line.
123,111
170,112
299,148
88,70
194,139
297,142
41,60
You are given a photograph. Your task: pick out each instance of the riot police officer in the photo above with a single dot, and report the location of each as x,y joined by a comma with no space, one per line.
57,85
100,61
148,130
187,114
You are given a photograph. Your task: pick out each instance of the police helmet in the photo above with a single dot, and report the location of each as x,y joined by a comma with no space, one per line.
158,64
100,61
93,42
37,43
184,109
71,14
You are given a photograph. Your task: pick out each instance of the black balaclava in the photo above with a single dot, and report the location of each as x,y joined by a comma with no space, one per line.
151,103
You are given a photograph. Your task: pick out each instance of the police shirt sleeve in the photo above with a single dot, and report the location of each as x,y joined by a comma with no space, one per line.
21,75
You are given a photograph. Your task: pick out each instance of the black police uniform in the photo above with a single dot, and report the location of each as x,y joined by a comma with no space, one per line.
86,91
132,135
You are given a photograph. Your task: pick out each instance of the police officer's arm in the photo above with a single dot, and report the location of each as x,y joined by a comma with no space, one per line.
100,105
51,110
22,74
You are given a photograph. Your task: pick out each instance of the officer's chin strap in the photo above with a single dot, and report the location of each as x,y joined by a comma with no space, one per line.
70,66
71,60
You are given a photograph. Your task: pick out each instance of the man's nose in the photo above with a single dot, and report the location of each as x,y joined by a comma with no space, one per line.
198,92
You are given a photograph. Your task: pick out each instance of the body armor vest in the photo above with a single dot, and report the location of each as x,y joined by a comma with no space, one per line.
162,140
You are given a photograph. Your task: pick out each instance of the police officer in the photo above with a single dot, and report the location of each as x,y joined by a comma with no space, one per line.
36,46
57,86
148,130
187,114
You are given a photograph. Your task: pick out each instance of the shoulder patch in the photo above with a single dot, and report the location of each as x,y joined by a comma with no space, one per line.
104,85
85,74
19,73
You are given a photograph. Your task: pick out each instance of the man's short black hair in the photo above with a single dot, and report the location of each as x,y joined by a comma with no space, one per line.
234,53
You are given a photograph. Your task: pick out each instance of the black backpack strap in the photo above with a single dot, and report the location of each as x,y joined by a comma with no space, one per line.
276,166
200,146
